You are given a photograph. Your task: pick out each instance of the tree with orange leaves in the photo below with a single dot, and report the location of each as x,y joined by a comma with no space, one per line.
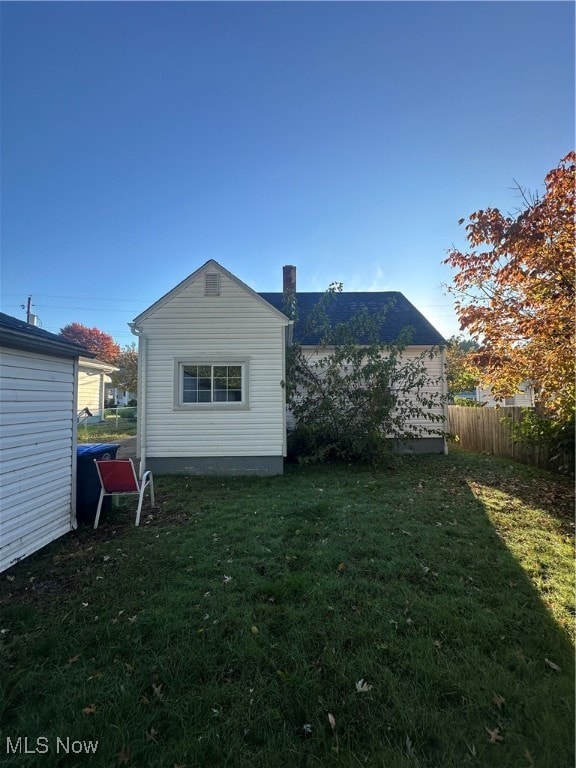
515,294
92,339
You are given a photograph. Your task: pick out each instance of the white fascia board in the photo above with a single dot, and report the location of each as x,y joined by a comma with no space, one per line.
97,365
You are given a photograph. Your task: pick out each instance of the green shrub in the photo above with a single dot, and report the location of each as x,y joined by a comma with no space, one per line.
467,403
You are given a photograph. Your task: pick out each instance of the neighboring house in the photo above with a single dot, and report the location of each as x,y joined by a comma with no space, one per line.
212,366
38,407
524,397
93,376
116,396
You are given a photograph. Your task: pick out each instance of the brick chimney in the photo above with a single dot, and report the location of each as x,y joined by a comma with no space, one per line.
289,291
289,281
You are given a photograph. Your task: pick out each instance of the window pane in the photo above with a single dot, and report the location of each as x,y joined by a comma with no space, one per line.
205,384
211,383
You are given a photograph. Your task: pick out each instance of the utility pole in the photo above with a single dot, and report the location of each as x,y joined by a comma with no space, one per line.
30,316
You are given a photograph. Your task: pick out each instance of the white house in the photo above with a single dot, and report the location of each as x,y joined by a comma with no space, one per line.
212,366
211,361
93,376
524,397
38,388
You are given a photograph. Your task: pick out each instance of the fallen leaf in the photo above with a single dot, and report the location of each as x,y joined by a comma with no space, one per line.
157,690
89,710
341,567
529,757
553,666
362,686
332,721
254,630
498,700
74,659
123,756
493,736
437,644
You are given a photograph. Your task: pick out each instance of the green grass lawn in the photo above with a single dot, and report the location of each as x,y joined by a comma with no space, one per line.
336,616
108,431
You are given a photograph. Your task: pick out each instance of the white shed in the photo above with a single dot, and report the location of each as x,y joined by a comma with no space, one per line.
38,397
211,363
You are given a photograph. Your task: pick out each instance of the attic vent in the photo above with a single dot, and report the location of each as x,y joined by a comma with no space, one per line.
211,284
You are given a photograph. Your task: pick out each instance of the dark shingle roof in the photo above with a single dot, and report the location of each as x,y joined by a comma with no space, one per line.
21,335
400,315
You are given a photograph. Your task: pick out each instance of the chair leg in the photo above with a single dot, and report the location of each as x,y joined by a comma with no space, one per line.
100,500
152,501
140,500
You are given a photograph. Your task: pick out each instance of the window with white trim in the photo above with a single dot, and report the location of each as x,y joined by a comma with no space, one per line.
212,384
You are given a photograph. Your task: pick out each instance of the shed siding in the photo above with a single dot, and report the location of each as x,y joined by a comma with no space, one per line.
36,421
234,325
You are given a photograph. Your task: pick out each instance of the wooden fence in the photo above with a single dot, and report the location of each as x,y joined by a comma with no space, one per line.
488,430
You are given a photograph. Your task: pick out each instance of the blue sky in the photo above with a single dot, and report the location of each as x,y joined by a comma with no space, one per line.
140,140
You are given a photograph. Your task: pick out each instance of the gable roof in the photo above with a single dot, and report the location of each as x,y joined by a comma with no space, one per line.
18,334
400,314
211,264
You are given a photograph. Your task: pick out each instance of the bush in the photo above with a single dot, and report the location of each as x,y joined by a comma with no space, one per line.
128,413
360,395
466,402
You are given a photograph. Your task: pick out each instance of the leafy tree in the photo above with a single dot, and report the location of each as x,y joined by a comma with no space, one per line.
462,374
359,395
515,293
92,339
127,375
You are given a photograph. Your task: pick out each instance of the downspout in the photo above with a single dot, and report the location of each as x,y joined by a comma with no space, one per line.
286,332
141,405
74,478
101,389
445,398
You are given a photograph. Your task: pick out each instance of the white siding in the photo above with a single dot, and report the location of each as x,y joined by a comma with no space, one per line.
91,393
192,326
37,427
435,374
524,397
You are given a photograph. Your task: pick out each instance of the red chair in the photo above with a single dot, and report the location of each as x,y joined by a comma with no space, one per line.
118,478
